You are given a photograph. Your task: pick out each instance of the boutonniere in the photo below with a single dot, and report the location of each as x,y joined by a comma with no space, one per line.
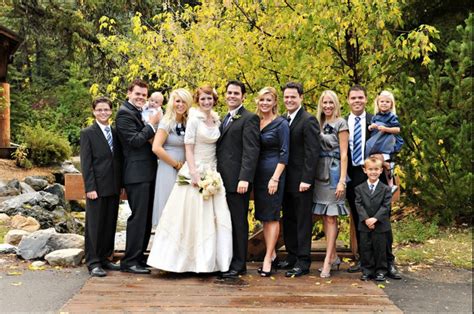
235,117
328,129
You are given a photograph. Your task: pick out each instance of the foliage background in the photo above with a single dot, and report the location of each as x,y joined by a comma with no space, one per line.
420,49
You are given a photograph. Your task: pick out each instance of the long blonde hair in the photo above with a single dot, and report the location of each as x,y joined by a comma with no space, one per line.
267,90
337,106
170,114
390,96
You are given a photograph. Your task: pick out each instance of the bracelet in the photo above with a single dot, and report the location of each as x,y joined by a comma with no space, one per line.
273,179
343,183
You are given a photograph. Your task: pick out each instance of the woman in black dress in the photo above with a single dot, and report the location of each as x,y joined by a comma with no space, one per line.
270,176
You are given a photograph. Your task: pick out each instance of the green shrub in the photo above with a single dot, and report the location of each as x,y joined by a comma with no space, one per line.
44,146
413,230
21,157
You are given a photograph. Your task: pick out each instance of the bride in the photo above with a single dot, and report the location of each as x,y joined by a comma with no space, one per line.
194,233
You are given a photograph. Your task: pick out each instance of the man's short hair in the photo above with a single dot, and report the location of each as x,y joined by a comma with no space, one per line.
373,159
294,85
137,82
238,83
357,87
101,99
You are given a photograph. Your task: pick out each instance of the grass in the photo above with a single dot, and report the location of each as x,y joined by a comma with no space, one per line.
451,247
3,231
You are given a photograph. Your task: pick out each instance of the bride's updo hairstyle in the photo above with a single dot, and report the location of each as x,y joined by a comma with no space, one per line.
206,89
186,97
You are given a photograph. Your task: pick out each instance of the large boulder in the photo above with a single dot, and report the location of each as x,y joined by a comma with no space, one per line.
37,183
42,242
44,217
25,188
6,248
58,190
65,257
14,236
24,223
12,188
43,199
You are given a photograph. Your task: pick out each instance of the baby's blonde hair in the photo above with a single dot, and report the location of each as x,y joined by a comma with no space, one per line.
390,96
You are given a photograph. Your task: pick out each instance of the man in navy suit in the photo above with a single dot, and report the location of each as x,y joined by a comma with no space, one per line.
359,121
101,164
139,172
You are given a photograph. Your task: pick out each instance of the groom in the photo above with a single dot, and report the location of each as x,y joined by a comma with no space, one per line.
237,153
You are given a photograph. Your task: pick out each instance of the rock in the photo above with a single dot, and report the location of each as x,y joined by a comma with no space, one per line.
36,183
6,248
58,190
44,217
77,206
66,257
42,242
12,188
24,223
14,236
25,188
4,219
43,199
35,245
38,264
66,167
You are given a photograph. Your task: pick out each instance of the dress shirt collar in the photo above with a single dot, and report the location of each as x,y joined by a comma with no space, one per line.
361,116
293,115
374,184
234,111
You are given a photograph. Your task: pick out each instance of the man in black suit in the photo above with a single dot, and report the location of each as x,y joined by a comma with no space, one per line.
359,121
237,154
101,164
139,174
300,175
373,202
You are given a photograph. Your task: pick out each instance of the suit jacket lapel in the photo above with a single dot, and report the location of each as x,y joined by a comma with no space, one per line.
296,118
229,125
134,111
377,191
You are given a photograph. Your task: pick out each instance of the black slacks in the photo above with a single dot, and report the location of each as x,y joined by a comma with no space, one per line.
101,223
239,207
373,253
297,227
140,198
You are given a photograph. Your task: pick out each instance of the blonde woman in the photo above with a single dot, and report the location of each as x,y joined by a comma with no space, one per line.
331,174
270,176
168,145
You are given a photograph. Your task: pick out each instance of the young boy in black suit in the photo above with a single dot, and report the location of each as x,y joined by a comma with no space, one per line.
373,200
101,164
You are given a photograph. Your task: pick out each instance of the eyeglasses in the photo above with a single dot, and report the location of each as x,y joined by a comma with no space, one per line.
102,110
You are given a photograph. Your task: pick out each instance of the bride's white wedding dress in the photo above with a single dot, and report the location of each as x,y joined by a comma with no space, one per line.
194,234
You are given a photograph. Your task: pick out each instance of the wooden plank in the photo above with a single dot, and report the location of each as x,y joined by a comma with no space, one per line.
161,291
74,187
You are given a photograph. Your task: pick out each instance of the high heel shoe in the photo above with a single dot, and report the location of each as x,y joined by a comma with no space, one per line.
334,265
266,273
325,275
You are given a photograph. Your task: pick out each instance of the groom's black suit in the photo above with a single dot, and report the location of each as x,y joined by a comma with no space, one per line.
139,179
237,155
297,206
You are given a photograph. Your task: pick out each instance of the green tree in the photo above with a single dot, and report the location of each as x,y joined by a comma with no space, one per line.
437,112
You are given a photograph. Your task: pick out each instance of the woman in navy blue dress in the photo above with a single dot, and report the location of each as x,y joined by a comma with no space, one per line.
270,177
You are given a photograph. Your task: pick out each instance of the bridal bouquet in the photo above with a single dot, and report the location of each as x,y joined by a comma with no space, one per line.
208,185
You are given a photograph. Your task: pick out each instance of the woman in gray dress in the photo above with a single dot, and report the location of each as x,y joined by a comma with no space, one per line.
331,174
168,145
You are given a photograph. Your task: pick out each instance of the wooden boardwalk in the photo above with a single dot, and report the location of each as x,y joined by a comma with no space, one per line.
122,292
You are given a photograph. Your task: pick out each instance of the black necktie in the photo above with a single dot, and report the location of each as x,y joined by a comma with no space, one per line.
288,119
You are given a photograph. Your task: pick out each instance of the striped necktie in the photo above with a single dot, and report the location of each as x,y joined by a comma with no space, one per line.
357,147
372,188
227,119
109,138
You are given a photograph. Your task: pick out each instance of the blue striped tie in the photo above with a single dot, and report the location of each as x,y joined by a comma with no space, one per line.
109,138
357,147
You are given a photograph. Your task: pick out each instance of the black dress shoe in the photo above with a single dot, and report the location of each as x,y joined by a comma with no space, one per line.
296,272
354,268
365,277
135,269
379,277
98,272
285,265
110,266
232,273
393,272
